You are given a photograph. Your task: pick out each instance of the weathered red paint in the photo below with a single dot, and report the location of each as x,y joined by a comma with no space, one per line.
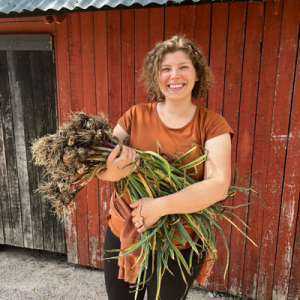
128,71
101,82
202,36
269,57
232,91
187,21
171,21
218,41
76,76
291,184
141,47
278,145
250,77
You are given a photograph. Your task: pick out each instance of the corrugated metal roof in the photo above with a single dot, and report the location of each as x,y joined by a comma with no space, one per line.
19,6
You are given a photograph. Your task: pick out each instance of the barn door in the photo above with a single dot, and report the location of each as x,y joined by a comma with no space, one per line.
27,110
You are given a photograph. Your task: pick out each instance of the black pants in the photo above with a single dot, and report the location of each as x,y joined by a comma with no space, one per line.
172,288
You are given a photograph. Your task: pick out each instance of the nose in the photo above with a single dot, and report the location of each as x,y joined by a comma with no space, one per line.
175,73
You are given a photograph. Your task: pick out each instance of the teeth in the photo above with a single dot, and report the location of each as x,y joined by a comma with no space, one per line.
173,86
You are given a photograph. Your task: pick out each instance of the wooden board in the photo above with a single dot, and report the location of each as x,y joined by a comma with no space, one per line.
291,185
20,197
277,154
171,21
29,42
6,230
219,24
64,108
232,92
76,80
156,23
202,37
187,21
55,225
127,58
292,188
247,114
89,98
36,126
114,65
101,78
269,57
141,32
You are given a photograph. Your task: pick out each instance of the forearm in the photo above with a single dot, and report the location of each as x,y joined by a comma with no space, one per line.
193,198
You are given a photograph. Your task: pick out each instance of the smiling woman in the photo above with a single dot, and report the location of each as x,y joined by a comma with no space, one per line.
174,72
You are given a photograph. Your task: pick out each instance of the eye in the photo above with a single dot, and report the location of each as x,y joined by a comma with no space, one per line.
165,69
184,67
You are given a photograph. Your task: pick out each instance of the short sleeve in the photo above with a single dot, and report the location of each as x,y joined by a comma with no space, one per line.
216,125
126,120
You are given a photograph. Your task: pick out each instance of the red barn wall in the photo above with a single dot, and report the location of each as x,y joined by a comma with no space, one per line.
252,49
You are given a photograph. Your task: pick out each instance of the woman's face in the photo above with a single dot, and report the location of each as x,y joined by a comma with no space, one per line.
177,76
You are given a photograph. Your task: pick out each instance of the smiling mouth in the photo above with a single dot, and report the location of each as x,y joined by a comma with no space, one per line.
176,86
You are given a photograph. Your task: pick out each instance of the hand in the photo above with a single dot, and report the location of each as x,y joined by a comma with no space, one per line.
119,167
145,213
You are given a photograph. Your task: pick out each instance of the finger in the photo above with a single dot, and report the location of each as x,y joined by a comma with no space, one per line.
124,153
113,155
138,225
135,204
142,229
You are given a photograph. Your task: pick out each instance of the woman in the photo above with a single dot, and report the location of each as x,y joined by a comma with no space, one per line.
174,73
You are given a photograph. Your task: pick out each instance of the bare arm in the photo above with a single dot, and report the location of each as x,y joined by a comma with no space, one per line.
115,165
199,195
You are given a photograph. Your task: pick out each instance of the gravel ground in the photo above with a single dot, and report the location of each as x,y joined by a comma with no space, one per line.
42,275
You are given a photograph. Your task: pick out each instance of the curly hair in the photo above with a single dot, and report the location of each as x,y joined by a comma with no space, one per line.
153,60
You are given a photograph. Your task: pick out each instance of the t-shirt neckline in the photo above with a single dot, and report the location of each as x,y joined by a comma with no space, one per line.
180,128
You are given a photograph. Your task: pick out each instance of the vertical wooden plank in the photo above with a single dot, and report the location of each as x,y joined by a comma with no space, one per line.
218,41
26,88
232,91
156,24
114,65
251,65
156,27
187,21
38,106
218,55
63,71
127,58
171,21
278,144
3,180
76,78
202,36
114,73
101,74
294,285
20,197
89,98
267,79
141,32
51,116
291,186
6,136
63,108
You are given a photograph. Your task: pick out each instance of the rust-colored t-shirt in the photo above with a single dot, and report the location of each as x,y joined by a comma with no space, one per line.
146,128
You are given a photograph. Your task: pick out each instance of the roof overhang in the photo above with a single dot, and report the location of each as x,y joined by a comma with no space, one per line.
15,9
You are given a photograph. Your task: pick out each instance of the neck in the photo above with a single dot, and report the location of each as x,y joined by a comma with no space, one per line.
177,109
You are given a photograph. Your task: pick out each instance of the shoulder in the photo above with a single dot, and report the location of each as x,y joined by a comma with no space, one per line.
142,107
213,124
